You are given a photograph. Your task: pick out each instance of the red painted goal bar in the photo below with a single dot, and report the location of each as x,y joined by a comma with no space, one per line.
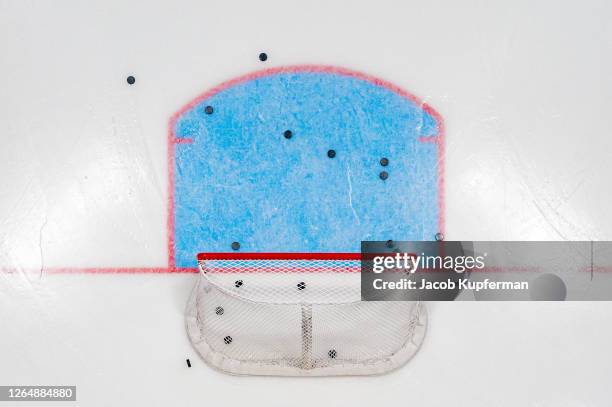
278,256
279,262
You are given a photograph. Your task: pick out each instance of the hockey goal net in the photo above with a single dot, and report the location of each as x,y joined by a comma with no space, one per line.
297,314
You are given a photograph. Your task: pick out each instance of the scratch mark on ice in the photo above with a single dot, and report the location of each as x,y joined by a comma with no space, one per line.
40,244
350,192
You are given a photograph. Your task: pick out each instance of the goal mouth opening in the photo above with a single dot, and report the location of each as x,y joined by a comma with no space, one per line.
285,278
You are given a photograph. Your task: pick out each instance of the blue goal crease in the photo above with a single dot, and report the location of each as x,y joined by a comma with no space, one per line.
243,179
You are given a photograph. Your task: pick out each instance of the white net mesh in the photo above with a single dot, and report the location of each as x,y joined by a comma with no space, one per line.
283,315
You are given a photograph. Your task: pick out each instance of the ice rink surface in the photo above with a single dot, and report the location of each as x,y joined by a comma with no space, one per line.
88,294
